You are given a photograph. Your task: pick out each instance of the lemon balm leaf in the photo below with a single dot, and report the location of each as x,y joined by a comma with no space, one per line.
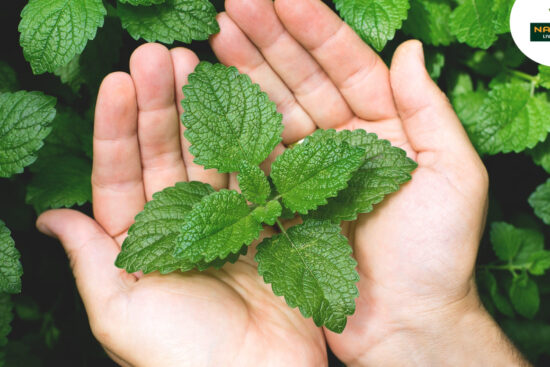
472,22
25,120
219,225
510,120
253,183
152,238
229,120
311,266
62,173
374,20
53,32
141,2
428,21
172,20
6,317
384,168
10,267
540,202
310,173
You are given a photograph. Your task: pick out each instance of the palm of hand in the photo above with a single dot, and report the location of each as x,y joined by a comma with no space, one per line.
195,318
416,249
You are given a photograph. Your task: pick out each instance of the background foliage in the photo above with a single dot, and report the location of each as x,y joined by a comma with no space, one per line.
501,97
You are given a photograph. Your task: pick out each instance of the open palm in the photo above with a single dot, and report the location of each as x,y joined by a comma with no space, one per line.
415,252
214,318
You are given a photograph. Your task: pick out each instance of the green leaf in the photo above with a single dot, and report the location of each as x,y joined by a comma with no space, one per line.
10,267
541,154
8,79
435,61
487,280
70,74
142,2
501,13
101,54
310,265
531,242
306,175
544,76
483,62
61,183
54,31
428,21
524,294
27,309
96,61
6,316
521,249
540,201
383,169
507,52
152,238
506,240
374,20
219,225
472,22
25,119
269,213
253,183
468,105
229,120
540,262
174,20
510,120
459,82
62,172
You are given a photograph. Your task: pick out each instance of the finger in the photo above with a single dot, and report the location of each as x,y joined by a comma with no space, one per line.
184,62
91,252
296,67
158,122
232,47
430,123
117,186
355,69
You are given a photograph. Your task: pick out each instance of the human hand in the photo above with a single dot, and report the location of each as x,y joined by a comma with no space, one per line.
212,318
416,252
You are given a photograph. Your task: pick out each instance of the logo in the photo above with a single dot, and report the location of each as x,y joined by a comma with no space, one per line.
540,32
530,27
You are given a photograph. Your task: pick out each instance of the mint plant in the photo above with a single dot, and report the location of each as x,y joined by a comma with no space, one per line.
329,177
51,38
25,121
521,253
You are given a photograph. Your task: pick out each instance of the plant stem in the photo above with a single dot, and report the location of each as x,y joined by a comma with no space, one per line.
508,267
281,227
525,76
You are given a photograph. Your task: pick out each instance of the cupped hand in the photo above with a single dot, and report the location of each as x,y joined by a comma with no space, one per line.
416,251
213,318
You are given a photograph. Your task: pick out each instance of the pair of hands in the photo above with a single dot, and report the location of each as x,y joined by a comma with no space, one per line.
416,252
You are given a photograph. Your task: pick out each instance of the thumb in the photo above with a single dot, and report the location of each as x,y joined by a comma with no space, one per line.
428,118
91,252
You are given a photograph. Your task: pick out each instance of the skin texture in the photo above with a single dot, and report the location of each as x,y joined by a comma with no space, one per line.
416,252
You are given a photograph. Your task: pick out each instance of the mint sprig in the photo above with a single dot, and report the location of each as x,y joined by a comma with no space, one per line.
331,176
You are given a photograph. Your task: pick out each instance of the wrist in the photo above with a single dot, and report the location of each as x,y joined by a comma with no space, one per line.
462,333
